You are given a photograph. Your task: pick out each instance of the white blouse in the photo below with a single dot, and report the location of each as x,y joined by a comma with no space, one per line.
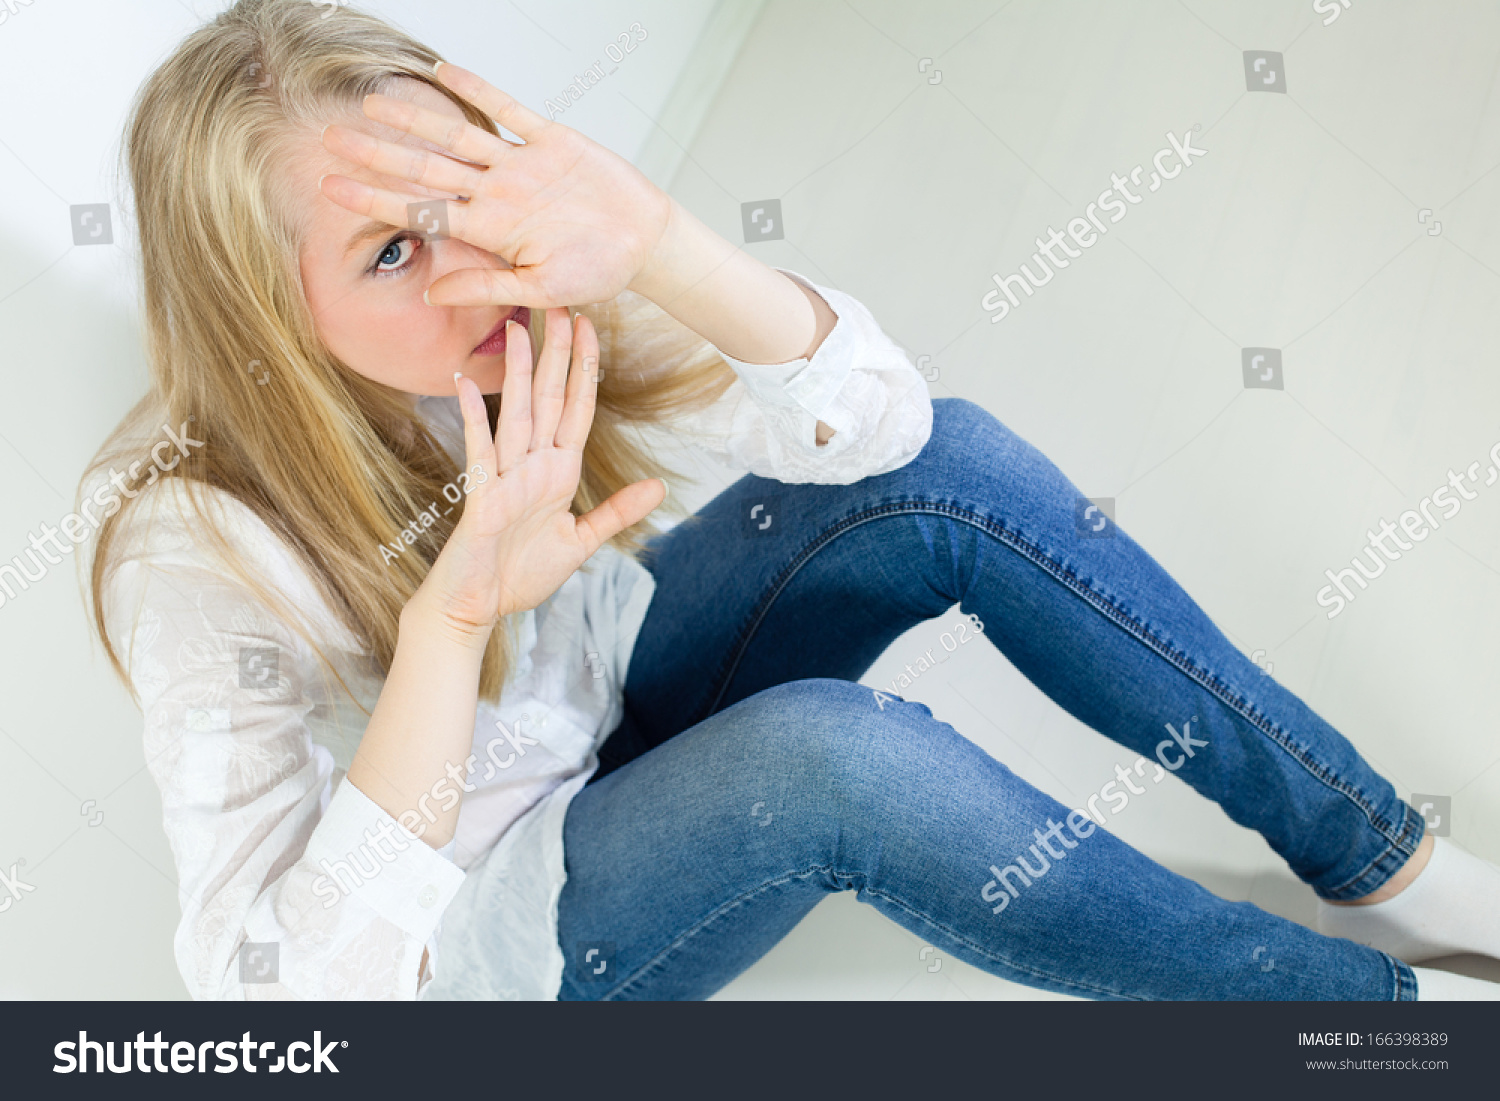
294,884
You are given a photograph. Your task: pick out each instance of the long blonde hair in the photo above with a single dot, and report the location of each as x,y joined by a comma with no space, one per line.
333,463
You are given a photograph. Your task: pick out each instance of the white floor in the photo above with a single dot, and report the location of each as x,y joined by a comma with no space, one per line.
1301,229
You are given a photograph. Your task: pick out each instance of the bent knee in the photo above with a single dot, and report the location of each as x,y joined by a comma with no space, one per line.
968,433
838,734
957,419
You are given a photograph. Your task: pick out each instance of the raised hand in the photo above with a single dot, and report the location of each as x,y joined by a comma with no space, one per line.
576,222
517,541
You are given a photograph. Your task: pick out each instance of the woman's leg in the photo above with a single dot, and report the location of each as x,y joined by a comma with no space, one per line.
688,864
982,518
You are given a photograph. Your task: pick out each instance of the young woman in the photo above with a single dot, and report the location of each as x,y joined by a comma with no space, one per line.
662,761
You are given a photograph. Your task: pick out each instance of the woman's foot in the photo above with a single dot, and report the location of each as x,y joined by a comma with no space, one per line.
1446,904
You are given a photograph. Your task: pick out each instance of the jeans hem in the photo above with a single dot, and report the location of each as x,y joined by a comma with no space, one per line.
1406,980
1378,872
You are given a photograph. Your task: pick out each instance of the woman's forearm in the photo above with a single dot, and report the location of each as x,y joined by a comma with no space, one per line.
744,308
421,732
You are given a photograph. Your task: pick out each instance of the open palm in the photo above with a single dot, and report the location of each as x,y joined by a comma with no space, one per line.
576,222
517,541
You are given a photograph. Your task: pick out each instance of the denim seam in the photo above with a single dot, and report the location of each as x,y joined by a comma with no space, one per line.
1106,607
1406,980
660,960
1413,826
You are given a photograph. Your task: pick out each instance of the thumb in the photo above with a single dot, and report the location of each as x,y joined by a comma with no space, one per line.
489,287
629,506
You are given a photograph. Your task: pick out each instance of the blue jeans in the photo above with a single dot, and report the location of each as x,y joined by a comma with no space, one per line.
752,776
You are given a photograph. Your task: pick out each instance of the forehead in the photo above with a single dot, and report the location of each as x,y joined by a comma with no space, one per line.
309,161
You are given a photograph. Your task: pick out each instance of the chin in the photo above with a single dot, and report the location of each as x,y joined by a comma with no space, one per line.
488,377
490,380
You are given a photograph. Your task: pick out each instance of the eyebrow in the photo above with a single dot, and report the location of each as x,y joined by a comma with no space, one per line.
370,231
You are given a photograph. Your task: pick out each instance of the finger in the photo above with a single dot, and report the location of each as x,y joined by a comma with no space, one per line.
391,207
402,162
548,389
457,135
491,287
629,506
521,121
479,446
578,403
513,432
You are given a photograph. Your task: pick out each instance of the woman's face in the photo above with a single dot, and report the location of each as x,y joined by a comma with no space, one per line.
364,280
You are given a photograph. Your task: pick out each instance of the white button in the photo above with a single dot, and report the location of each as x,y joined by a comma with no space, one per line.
428,898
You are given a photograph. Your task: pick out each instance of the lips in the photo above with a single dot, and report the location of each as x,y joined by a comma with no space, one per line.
494,343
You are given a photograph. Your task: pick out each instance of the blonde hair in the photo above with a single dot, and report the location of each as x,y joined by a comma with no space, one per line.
333,463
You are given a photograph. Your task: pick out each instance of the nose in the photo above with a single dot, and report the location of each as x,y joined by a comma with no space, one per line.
455,255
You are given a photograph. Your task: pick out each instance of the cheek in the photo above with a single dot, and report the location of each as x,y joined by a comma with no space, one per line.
390,336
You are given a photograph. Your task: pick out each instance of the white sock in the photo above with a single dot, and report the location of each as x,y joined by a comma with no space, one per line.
1452,906
1444,986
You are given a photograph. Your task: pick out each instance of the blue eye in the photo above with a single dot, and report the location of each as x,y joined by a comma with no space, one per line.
392,255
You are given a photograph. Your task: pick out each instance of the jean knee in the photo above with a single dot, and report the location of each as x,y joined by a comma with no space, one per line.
838,737
862,780
807,726
960,423
972,442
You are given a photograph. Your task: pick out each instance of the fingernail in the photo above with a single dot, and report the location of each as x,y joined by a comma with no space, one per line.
457,375
322,178
425,298
323,131
436,66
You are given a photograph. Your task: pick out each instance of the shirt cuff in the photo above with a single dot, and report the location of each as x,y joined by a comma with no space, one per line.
413,883
810,385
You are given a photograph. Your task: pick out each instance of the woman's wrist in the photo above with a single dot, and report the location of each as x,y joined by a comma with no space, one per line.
668,272
744,308
435,620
